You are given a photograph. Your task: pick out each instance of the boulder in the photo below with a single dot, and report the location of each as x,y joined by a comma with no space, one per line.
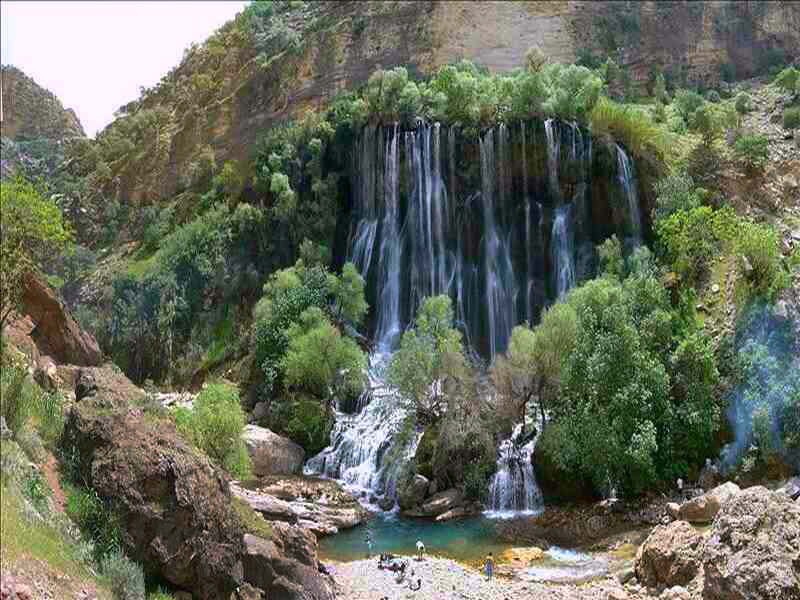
792,488
412,492
753,550
105,386
5,432
259,411
85,386
441,503
271,454
671,555
325,516
704,508
266,567
174,507
673,510
460,512
56,333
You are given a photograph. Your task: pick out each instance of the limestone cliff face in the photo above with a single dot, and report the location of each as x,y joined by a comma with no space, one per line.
228,91
31,112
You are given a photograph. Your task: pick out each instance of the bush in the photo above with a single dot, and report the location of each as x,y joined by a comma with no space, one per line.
675,192
36,490
49,414
713,96
126,577
308,423
787,80
687,102
631,126
96,520
14,464
215,425
14,394
791,118
752,151
743,103
759,245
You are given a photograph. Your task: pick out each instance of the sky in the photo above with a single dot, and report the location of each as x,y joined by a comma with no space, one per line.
95,55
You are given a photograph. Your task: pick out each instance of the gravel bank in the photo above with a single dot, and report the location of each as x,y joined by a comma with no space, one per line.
444,579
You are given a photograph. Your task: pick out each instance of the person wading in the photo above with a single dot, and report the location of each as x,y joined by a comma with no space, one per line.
420,549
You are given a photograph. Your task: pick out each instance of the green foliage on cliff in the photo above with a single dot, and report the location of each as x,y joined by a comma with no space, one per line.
31,229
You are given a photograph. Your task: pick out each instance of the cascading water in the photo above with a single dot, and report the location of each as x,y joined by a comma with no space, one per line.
561,249
363,453
502,240
627,180
513,488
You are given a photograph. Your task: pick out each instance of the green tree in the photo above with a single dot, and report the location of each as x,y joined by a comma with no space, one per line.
322,361
31,230
787,80
348,294
752,151
430,364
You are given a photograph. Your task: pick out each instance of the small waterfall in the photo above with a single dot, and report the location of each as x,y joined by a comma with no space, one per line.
391,248
363,452
561,250
627,179
498,272
513,488
553,150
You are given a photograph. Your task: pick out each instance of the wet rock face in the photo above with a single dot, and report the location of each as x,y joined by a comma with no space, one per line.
753,551
670,556
413,492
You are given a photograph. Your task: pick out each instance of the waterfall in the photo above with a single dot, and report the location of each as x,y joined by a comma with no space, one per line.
366,452
390,249
561,249
513,487
627,179
553,150
498,271
501,239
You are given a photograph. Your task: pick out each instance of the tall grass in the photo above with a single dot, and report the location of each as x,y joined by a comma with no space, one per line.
636,129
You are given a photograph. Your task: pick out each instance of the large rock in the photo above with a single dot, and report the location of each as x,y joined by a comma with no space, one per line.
753,550
704,508
671,555
412,492
266,567
441,503
271,454
56,333
792,488
324,515
173,506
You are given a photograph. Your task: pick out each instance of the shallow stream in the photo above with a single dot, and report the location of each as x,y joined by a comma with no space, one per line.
466,541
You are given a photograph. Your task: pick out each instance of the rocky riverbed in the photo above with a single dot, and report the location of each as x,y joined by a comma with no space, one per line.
445,579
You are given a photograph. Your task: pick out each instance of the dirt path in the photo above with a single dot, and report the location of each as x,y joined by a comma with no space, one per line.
50,469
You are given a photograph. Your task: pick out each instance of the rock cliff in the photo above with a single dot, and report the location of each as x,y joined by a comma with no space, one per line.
261,69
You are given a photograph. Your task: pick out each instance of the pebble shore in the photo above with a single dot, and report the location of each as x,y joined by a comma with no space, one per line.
444,579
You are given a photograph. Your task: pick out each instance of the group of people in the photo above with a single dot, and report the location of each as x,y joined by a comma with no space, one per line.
488,563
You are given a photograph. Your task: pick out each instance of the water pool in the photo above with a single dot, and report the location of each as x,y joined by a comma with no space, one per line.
467,541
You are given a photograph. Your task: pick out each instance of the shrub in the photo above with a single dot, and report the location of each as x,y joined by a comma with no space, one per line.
759,245
126,577
713,96
14,394
791,118
36,490
787,80
215,425
96,520
752,151
633,128
675,192
49,414
308,423
687,102
14,464
743,103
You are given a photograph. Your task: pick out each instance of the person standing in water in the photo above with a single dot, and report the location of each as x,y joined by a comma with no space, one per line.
488,566
368,541
420,549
